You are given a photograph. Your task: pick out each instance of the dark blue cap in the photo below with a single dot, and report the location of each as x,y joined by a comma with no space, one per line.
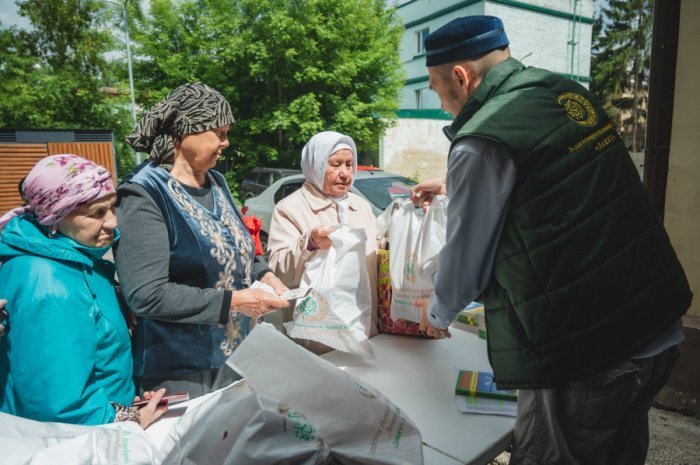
465,37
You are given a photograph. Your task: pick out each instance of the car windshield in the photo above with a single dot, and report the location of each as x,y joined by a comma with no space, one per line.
381,191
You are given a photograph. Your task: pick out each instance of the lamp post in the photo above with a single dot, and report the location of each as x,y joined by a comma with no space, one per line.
524,56
128,60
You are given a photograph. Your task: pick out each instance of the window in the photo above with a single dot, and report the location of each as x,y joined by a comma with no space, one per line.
381,191
420,39
287,189
422,98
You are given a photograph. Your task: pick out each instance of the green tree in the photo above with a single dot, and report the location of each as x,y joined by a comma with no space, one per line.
289,68
51,75
620,64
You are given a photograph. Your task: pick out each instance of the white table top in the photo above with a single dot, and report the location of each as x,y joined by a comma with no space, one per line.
419,376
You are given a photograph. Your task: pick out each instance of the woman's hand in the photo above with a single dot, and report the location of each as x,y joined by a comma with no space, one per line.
320,237
256,302
273,281
131,320
151,411
3,315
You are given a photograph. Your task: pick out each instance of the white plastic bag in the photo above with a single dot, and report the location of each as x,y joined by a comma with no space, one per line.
338,311
415,240
29,442
238,425
292,407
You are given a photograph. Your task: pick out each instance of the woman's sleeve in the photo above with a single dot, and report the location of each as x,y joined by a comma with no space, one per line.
143,261
260,267
54,351
288,247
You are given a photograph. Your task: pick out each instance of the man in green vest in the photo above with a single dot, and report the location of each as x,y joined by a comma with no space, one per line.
550,224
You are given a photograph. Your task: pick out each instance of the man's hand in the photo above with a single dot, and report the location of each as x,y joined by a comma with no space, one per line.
423,193
434,332
425,325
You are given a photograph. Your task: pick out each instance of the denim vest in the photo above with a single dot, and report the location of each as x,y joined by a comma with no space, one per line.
207,250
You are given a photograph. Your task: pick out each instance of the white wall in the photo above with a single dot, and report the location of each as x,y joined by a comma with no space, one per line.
416,146
682,217
543,39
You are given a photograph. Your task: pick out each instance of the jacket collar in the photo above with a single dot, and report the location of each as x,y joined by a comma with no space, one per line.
318,201
486,89
23,235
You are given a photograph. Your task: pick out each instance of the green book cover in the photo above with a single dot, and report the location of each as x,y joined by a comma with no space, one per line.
480,384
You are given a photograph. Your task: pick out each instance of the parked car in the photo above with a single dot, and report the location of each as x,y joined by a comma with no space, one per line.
378,187
260,179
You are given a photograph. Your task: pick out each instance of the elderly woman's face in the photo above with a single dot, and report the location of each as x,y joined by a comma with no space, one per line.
201,150
91,224
338,178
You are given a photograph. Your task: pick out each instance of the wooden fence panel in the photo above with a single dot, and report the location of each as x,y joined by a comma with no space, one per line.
99,152
16,160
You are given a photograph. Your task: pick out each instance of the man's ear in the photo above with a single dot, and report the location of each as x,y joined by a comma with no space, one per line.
461,76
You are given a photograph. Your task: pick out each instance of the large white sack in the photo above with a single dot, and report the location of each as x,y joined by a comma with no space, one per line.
356,422
29,442
237,425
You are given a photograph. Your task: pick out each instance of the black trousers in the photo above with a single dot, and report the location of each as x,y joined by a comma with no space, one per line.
601,420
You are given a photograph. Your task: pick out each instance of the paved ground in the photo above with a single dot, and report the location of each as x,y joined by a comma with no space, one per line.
673,440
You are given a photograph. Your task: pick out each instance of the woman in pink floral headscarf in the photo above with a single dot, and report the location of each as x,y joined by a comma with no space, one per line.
66,354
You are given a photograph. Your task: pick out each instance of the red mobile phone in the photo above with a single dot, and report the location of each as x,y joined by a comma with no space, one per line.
167,399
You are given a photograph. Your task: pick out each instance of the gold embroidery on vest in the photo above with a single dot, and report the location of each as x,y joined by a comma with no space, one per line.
578,108
222,251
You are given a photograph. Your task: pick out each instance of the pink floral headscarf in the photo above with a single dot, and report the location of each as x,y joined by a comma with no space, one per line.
57,185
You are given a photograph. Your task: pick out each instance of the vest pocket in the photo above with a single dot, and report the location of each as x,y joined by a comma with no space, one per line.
522,335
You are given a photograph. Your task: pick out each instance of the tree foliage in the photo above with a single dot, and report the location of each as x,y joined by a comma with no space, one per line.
288,68
621,62
51,75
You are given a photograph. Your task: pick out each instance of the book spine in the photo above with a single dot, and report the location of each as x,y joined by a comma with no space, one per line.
468,385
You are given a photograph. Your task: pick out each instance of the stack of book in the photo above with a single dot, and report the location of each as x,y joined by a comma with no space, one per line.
472,319
477,393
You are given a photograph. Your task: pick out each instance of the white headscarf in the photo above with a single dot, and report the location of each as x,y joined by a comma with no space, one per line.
314,161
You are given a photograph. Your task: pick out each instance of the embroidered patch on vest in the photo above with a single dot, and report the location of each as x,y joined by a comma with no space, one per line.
578,108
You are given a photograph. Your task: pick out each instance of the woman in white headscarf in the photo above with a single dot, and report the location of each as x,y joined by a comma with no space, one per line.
300,222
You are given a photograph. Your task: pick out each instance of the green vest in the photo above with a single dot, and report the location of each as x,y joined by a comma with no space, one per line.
584,274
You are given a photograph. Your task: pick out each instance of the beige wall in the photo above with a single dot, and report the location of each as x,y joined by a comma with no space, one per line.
416,147
682,218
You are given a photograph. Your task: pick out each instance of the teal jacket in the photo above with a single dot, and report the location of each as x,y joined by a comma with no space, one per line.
67,352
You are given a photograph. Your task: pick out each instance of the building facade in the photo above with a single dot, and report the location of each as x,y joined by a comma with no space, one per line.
551,34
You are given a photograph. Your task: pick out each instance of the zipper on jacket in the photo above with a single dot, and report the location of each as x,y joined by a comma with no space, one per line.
520,330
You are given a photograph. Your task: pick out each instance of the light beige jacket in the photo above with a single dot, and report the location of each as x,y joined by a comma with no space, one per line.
292,221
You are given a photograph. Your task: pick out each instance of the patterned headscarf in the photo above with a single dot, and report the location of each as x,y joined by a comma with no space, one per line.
189,109
57,185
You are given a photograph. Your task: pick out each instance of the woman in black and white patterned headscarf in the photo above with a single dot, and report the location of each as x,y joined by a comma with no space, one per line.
185,259
190,109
